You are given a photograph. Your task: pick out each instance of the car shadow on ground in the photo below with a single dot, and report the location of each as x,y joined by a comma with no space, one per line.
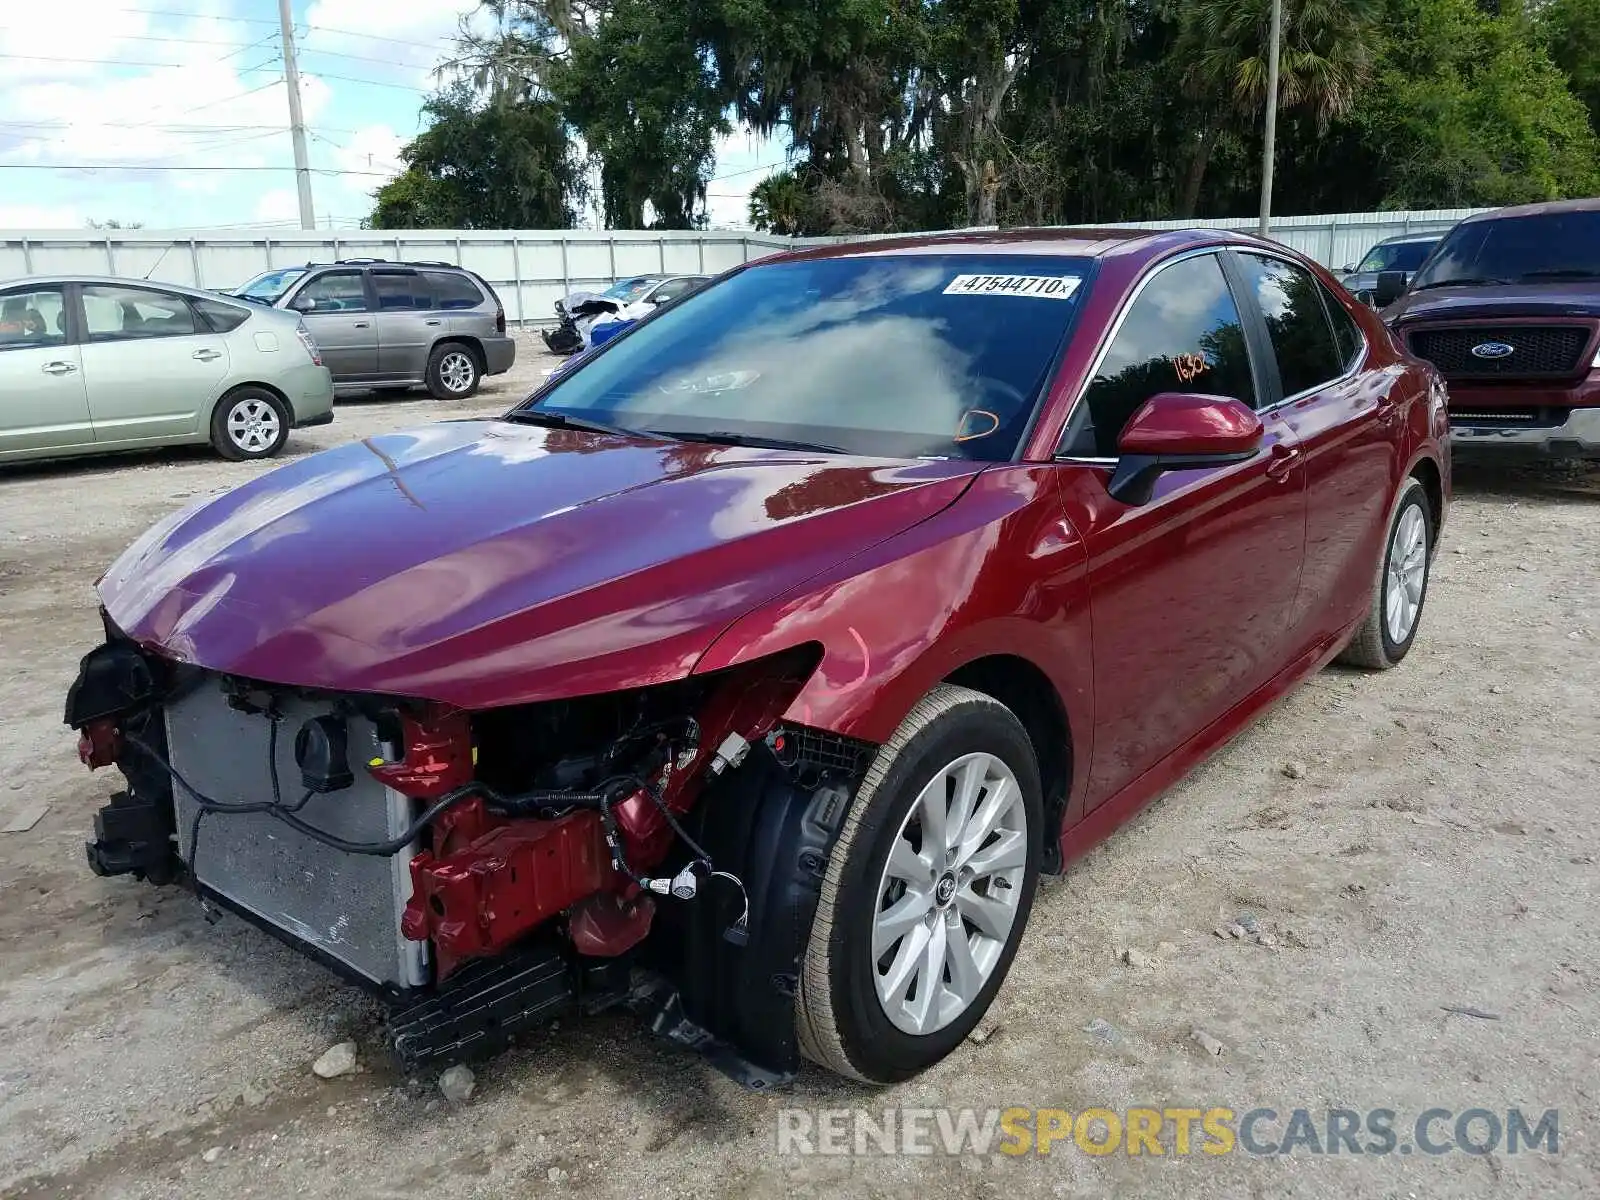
1562,480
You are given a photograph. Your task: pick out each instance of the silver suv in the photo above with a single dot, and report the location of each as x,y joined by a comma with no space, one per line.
385,325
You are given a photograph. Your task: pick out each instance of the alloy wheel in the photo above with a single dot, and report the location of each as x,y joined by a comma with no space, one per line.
253,425
457,370
949,893
1408,574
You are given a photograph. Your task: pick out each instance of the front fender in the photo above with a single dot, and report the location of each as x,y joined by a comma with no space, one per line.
998,572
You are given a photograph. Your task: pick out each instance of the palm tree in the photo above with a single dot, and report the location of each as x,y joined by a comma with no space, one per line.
1326,56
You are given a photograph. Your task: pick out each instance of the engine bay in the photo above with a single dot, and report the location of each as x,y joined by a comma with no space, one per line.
485,871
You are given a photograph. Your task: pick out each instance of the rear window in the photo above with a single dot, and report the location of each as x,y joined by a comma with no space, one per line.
452,290
902,356
1528,249
223,318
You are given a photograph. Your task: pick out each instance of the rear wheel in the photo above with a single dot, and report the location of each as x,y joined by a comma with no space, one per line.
1395,612
249,423
453,372
927,891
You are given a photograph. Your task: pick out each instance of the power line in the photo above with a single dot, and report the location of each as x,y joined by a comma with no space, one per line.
115,62
193,16
92,167
403,87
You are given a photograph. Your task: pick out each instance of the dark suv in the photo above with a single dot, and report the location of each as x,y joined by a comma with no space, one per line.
383,325
1508,308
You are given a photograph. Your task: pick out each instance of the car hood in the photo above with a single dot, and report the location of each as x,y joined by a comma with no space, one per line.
482,563
1567,298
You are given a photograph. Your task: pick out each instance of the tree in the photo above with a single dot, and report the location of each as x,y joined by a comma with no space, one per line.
1467,109
1572,33
1221,52
496,163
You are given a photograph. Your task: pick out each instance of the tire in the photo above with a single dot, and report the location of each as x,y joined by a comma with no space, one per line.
1375,645
841,1021
454,371
249,423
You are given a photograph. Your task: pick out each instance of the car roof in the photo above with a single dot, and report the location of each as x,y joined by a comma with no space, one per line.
1545,208
1044,243
1432,236
157,285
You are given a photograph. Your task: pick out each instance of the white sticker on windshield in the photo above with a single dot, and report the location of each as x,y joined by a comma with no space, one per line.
1044,287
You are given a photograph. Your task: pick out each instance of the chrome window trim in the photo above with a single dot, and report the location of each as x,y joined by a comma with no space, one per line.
1358,363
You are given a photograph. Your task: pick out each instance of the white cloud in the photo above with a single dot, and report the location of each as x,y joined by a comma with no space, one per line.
41,216
278,204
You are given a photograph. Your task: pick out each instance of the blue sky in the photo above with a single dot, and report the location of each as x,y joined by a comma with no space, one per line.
188,91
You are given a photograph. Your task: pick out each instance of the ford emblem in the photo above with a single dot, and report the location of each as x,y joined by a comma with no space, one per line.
1493,350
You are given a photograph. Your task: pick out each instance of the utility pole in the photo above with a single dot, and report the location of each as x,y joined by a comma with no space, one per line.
297,120
1271,131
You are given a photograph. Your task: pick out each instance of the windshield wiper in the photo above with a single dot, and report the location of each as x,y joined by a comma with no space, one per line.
1462,282
561,420
1562,273
726,437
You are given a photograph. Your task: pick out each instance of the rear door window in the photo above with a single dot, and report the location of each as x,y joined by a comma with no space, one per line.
401,291
118,314
452,290
1181,334
1346,334
1297,323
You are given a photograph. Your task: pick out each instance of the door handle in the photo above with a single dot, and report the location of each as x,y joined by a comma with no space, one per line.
59,368
1282,464
433,322
206,355
360,325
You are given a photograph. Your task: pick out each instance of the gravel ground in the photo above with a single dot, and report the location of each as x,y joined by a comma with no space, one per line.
1399,843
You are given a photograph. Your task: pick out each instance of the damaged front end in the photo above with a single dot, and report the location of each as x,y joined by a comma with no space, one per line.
484,871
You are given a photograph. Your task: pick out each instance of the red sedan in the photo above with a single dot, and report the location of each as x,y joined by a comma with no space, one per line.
750,672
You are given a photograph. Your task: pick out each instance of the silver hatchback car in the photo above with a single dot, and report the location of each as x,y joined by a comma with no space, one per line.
95,364
393,325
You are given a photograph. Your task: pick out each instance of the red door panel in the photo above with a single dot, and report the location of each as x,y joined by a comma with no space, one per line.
1348,435
1190,599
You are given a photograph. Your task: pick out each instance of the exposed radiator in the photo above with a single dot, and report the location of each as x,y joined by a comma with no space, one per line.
347,906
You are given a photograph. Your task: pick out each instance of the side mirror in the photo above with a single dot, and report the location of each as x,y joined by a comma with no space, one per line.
303,304
1388,289
1178,431
1349,268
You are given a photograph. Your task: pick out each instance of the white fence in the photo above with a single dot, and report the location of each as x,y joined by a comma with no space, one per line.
531,269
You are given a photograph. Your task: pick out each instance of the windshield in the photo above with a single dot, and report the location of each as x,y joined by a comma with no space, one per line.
1559,245
628,290
269,285
1396,256
932,355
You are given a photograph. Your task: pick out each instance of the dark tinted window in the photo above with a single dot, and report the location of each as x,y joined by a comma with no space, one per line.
1302,339
1346,334
32,316
1181,335
673,289
451,290
223,318
116,314
334,291
401,292
898,355
1563,245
